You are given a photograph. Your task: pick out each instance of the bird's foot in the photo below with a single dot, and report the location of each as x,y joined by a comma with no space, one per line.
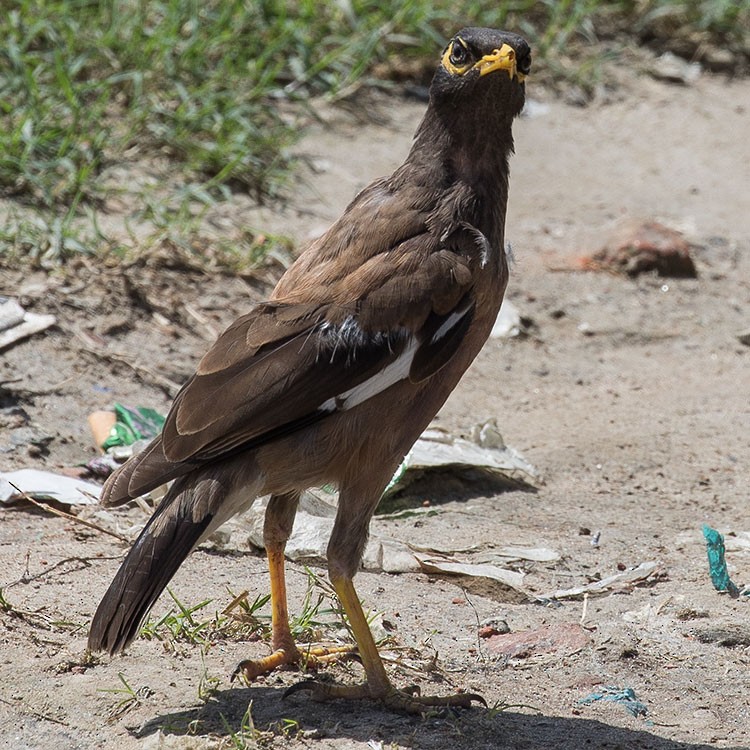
307,658
407,701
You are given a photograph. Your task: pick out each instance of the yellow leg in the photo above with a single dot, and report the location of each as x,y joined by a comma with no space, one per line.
281,636
378,686
285,650
377,679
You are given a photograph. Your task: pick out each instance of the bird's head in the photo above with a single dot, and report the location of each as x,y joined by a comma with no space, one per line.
481,76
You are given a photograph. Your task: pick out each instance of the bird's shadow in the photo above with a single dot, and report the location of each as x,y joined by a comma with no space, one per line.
450,484
264,709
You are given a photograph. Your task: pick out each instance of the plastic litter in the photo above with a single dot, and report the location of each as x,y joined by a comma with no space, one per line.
487,580
717,565
17,324
133,424
516,554
626,697
312,529
628,577
508,322
486,450
44,485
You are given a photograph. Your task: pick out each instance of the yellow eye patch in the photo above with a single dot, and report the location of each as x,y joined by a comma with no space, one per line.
457,50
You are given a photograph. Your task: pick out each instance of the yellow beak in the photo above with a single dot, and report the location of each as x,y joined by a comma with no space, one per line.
500,59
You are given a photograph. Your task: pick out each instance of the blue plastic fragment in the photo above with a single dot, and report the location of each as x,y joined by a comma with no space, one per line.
626,697
717,564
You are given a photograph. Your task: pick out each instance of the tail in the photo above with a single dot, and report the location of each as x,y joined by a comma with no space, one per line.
161,548
196,505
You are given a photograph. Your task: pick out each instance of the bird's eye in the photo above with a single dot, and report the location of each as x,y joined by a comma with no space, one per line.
459,54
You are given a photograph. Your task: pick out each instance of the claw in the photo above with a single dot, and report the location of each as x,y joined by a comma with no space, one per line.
298,687
249,669
464,700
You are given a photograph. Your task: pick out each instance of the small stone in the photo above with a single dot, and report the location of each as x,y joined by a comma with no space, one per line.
644,247
670,67
718,58
499,625
492,628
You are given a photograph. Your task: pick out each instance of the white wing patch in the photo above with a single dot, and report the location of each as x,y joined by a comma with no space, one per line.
449,323
390,374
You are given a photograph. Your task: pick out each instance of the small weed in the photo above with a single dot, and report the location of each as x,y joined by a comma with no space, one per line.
248,613
290,728
207,685
130,698
307,625
35,618
179,625
239,621
314,616
247,737
45,239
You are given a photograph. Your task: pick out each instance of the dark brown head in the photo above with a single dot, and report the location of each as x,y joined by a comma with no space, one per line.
481,77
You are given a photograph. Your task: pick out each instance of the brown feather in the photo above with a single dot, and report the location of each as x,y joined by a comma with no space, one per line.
336,375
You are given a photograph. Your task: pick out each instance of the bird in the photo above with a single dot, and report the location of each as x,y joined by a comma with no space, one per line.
335,375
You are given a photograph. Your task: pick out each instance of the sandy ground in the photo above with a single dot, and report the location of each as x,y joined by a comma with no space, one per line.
631,396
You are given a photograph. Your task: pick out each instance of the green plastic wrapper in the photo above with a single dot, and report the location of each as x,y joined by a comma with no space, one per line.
140,423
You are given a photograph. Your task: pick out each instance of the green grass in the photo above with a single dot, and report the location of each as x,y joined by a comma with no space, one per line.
243,619
191,624
213,91
247,736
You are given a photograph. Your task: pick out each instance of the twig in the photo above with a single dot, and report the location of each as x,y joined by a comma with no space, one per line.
584,610
37,391
144,373
235,602
68,516
481,656
210,330
33,712
27,577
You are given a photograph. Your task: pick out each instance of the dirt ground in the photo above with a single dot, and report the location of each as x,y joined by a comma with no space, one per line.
631,396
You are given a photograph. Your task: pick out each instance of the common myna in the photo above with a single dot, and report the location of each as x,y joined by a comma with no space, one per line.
333,379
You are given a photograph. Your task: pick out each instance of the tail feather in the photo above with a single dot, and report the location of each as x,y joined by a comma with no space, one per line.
195,505
142,473
167,539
